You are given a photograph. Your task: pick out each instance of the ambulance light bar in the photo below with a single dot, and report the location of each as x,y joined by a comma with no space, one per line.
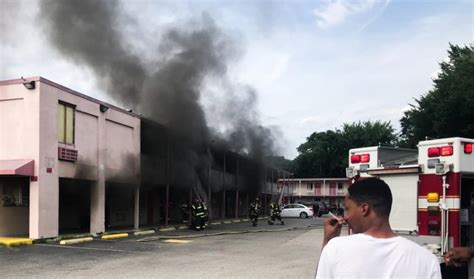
446,150
360,158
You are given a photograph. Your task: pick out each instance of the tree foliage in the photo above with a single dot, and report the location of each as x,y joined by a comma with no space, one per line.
448,109
445,111
325,154
279,162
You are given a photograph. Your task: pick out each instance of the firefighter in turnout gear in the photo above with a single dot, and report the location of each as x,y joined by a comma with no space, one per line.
254,211
198,215
275,213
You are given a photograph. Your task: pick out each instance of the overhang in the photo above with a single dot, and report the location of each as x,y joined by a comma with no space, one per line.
17,167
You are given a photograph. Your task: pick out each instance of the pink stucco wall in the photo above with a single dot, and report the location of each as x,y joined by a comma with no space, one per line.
105,143
19,139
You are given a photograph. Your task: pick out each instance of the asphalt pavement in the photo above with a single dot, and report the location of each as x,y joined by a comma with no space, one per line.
225,250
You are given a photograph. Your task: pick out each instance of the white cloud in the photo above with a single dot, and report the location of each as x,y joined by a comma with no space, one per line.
335,12
305,82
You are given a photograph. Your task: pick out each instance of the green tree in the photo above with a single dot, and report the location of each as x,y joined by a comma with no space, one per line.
325,154
279,162
448,109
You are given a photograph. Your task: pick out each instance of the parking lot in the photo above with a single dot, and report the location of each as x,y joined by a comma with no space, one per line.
225,250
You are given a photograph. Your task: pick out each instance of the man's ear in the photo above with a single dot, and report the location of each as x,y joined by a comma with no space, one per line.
365,209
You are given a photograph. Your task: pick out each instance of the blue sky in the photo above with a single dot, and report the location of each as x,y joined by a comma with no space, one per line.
314,64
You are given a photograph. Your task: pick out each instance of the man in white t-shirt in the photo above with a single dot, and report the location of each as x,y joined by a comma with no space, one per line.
373,250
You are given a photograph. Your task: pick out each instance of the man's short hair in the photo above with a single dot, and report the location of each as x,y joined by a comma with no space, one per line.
375,192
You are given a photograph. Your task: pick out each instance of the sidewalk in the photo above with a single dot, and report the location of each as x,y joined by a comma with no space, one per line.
67,239
179,229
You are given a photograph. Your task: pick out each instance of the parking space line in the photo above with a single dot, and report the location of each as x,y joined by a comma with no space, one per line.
90,248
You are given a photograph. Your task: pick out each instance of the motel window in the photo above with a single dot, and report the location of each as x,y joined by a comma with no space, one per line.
309,186
339,186
65,123
15,192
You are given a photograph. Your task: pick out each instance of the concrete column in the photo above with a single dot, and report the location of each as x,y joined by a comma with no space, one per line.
299,190
136,209
168,178
167,201
209,206
237,204
265,193
272,185
97,207
44,204
237,189
97,222
223,188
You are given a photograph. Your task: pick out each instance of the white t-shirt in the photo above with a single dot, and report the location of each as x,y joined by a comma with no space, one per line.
364,256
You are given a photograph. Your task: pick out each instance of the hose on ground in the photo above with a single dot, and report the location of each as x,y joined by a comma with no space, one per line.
160,237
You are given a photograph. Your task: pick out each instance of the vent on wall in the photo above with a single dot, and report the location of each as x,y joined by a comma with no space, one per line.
66,154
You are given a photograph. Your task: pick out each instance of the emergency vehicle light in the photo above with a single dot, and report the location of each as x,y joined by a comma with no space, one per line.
440,151
433,152
468,148
432,197
355,159
446,150
360,158
364,158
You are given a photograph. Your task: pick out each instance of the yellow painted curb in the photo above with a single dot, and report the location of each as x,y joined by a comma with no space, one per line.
245,220
183,227
216,223
114,236
15,241
75,240
167,229
176,241
227,222
236,221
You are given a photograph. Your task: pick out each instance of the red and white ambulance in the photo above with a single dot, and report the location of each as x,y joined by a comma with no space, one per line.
432,188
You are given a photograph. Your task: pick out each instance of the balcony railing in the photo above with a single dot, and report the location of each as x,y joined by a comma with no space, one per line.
323,192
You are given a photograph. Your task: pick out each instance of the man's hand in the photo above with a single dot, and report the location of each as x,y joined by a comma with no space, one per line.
457,256
332,228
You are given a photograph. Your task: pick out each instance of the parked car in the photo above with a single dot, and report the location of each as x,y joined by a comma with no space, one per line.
296,210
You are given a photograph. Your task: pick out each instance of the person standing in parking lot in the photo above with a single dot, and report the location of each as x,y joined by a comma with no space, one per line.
315,210
275,213
254,211
374,250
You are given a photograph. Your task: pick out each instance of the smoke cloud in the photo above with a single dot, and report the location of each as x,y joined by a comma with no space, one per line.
170,92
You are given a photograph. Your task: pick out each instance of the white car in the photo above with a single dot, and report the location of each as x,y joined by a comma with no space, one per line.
296,210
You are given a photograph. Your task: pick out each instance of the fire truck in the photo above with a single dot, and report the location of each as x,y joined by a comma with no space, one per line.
432,189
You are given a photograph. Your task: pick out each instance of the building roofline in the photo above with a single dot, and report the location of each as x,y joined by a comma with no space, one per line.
68,90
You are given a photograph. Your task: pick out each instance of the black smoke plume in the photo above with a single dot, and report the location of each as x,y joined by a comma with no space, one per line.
88,32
